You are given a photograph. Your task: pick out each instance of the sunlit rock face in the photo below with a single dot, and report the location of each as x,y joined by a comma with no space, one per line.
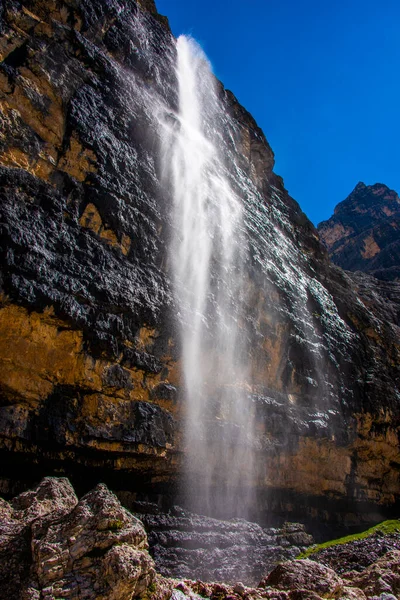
53,546
91,351
363,234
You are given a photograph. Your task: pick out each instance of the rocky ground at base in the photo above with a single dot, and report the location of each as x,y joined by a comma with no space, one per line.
54,546
184,544
359,554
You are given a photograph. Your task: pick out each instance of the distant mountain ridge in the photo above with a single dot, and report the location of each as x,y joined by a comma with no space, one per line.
364,232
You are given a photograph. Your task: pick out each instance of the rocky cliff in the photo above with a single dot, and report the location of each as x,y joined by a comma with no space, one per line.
90,355
363,233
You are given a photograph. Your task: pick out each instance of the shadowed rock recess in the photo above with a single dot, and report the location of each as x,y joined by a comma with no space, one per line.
90,356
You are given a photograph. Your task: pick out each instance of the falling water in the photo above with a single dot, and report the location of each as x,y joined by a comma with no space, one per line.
207,256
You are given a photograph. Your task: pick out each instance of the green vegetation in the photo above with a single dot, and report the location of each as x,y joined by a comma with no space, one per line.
115,525
384,528
148,593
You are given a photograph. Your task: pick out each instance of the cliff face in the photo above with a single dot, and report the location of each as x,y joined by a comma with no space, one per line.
363,233
90,373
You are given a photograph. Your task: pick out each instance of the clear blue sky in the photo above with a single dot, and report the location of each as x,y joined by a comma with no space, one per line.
321,78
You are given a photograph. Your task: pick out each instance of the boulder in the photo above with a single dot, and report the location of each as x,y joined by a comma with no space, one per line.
54,546
303,575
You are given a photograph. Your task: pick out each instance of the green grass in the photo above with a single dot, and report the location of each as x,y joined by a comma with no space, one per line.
385,527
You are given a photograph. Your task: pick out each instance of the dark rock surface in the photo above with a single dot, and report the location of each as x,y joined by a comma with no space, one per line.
90,382
364,232
380,578
196,547
357,555
309,580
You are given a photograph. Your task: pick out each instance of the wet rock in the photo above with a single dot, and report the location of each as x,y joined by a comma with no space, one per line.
164,391
117,377
184,544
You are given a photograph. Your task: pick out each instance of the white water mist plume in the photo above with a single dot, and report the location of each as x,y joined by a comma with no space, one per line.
208,252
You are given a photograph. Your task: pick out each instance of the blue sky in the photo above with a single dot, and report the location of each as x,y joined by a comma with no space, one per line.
321,78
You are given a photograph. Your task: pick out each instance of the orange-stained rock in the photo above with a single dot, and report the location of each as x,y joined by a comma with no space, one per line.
91,219
14,157
35,355
371,248
316,467
77,161
333,234
49,125
39,351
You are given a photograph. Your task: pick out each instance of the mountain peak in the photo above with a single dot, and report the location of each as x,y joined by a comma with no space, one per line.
363,234
360,186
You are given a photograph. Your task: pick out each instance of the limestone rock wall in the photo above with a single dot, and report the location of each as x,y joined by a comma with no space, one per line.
84,294
89,347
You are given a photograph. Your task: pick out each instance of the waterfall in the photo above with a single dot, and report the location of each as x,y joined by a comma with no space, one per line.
208,252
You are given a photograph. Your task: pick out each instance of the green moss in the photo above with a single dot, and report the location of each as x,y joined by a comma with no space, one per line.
115,525
385,528
148,593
